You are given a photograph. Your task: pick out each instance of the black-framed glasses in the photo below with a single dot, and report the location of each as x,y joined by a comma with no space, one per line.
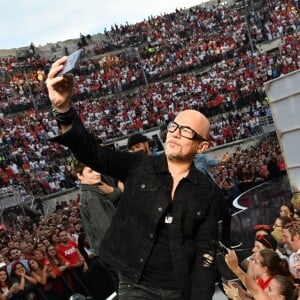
185,131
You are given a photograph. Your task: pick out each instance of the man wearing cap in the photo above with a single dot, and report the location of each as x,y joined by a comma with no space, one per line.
138,142
262,241
162,235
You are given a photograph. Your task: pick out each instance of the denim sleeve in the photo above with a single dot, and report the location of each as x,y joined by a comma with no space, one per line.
202,163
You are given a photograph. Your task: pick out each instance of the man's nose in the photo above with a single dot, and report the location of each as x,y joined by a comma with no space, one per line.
176,132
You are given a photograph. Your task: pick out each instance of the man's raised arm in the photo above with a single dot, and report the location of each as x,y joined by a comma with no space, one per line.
60,90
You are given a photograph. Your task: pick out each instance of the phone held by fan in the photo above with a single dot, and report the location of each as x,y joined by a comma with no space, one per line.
222,248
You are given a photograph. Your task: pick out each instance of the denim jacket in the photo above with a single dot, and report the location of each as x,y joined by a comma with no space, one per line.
128,241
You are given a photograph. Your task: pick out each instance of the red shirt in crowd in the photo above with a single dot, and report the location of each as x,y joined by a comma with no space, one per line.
68,252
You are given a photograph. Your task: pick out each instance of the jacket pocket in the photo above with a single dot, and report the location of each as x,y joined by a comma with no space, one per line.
144,187
194,214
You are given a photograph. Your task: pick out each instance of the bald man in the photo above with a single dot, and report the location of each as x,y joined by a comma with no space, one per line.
161,237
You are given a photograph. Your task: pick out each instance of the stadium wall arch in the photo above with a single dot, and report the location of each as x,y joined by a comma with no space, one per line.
284,99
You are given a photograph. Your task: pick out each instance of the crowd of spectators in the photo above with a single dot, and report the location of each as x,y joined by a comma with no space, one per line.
276,250
211,36
249,167
28,160
51,253
266,22
30,247
229,90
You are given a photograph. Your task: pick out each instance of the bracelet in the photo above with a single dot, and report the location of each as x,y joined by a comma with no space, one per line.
64,118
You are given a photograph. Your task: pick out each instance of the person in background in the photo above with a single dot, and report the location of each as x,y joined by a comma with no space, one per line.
56,262
262,241
14,255
85,249
273,168
138,142
39,204
63,284
25,283
261,229
267,264
99,193
291,237
6,288
280,288
295,201
230,186
161,235
203,163
54,239
44,276
102,283
277,233
68,249
286,210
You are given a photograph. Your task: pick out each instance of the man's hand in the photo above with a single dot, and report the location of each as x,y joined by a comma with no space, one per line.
85,267
225,158
232,260
60,88
105,188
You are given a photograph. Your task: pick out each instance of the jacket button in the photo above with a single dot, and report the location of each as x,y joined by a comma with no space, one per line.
151,235
160,209
198,213
141,260
143,186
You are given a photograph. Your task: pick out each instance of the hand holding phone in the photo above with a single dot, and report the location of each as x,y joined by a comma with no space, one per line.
70,63
232,261
222,248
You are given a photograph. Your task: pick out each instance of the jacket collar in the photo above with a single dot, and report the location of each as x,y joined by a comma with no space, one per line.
90,187
195,176
160,163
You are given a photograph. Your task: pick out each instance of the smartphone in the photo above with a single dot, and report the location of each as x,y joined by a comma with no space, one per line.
70,63
222,248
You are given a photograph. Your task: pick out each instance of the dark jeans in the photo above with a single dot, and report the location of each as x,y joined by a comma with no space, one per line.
131,291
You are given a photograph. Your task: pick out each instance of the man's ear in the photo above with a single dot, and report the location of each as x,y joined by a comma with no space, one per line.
79,176
202,147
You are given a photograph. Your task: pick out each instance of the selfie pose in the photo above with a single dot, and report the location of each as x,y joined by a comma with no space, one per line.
161,235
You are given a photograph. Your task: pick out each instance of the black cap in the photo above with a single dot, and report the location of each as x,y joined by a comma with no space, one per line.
268,241
135,139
